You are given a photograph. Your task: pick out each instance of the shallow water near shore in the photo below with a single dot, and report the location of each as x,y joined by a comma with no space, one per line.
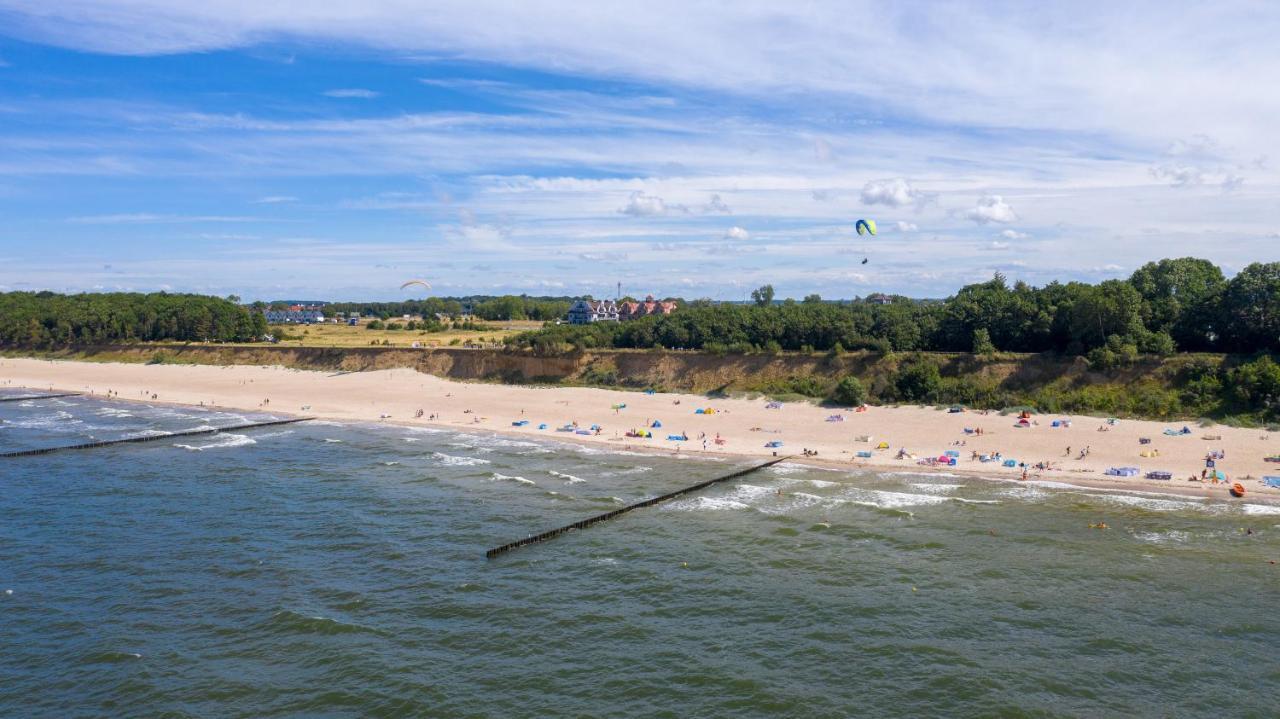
324,569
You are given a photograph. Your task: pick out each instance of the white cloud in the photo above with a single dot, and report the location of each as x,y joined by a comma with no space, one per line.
1231,183
275,200
894,193
901,226
352,92
737,233
1014,235
996,246
991,208
1178,175
640,204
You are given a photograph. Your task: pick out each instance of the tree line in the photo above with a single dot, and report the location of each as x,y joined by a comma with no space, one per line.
1173,305
495,309
47,319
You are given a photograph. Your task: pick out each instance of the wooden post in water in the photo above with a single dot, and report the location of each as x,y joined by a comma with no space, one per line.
151,437
24,398
584,523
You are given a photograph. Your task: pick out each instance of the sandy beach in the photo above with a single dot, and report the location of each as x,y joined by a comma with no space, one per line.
744,427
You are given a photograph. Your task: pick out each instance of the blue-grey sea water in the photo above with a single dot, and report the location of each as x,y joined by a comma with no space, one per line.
338,570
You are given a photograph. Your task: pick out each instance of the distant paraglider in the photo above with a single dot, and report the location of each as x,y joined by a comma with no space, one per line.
865,227
410,283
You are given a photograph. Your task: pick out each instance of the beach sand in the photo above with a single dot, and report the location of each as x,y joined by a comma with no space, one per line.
746,426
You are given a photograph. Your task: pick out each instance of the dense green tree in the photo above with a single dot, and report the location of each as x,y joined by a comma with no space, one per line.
849,392
1180,298
762,296
1250,309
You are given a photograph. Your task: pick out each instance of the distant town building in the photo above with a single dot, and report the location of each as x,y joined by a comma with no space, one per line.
650,306
584,312
879,299
295,314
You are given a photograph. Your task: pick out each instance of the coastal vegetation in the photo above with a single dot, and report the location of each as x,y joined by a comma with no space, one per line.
49,320
1177,305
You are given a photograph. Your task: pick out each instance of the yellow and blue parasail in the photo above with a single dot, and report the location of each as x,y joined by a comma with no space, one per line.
865,227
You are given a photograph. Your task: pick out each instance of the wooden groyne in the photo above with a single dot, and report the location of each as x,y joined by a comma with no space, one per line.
26,397
152,437
583,524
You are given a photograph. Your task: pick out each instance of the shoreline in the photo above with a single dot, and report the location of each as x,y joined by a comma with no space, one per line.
391,396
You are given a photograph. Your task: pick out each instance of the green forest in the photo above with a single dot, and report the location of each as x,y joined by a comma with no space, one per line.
50,320
1174,305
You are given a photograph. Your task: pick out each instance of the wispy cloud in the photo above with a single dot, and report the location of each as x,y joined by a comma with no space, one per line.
143,218
275,200
352,92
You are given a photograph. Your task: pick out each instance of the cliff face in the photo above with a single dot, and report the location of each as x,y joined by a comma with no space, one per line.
685,371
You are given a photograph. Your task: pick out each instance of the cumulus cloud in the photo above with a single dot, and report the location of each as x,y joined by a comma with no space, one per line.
901,226
991,208
355,92
737,233
996,246
896,192
1231,183
640,204
1014,235
715,204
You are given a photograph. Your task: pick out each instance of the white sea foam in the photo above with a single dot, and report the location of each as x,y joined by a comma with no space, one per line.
1260,509
1163,538
331,440
709,504
220,441
424,430
894,500
568,478
936,488
1150,503
456,461
511,478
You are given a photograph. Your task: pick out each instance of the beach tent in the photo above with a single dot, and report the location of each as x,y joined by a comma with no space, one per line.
699,411
1023,424
1011,463
1271,481
1123,471
952,453
1159,474
774,444
863,454
542,425
656,424
648,391
520,423
955,409
882,445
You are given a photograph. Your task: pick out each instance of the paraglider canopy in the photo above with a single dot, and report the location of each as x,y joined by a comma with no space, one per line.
423,283
865,227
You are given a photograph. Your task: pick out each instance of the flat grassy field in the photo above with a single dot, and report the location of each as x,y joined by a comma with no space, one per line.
361,336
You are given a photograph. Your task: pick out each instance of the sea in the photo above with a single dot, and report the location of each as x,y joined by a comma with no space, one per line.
338,570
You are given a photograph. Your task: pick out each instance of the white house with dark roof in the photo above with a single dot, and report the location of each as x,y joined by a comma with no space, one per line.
584,312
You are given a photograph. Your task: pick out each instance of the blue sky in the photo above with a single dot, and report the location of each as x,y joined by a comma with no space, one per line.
558,148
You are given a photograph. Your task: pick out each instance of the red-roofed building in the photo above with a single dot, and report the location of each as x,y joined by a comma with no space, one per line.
650,306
